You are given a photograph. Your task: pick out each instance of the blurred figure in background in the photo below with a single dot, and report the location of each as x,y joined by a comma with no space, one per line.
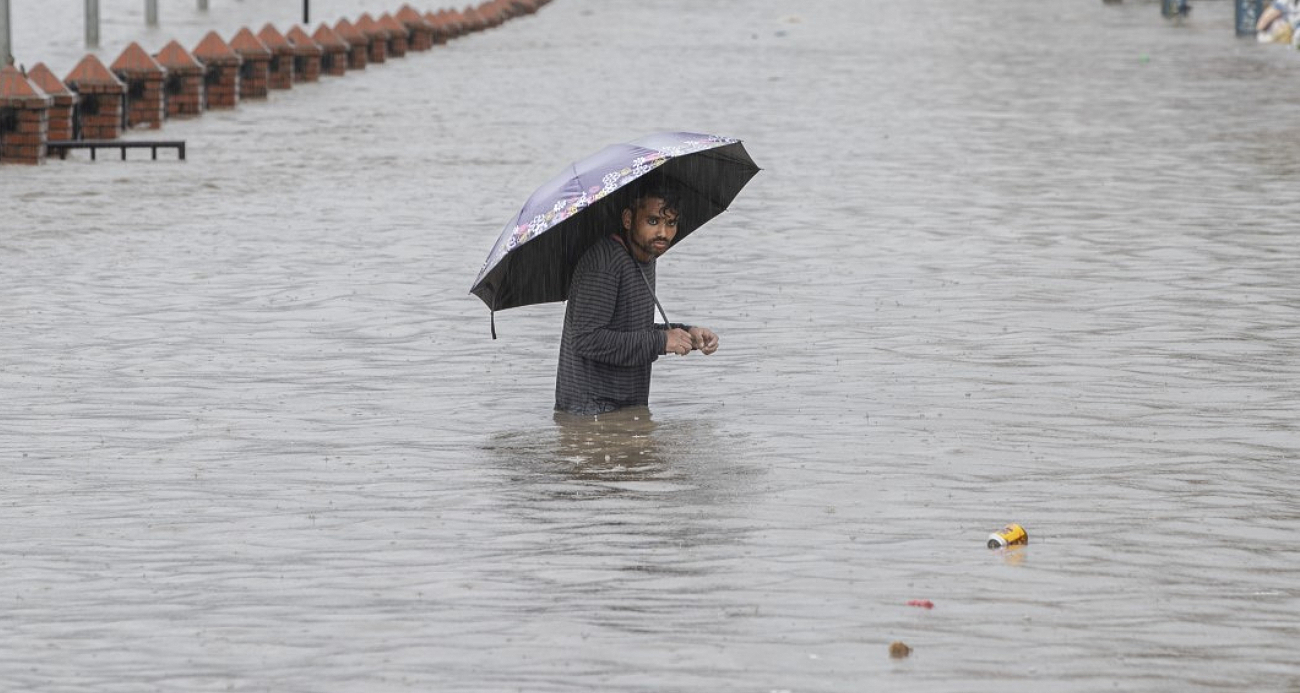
1277,22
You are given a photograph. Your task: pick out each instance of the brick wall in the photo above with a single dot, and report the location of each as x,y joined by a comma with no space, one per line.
281,69
254,77
376,38
62,104
357,56
307,55
337,60
60,116
419,30
306,68
441,29
184,93
221,85
421,37
378,48
24,128
398,42
144,99
101,113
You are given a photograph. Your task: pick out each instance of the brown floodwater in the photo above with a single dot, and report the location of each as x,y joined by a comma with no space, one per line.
1006,262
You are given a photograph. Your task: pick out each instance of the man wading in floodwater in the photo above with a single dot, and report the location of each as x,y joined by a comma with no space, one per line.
610,337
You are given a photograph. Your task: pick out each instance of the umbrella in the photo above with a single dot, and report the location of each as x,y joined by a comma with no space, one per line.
533,260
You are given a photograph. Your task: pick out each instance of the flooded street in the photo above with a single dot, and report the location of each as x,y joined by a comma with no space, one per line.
255,434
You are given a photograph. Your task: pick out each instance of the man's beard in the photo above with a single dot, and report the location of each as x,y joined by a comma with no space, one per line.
649,247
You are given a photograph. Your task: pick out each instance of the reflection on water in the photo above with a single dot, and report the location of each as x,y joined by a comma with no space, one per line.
1013,555
623,525
684,473
621,440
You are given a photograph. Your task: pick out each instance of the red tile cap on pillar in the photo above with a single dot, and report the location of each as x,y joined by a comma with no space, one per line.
212,49
15,89
471,18
368,26
328,38
394,27
273,39
41,76
249,46
134,61
90,72
458,22
441,23
410,17
491,12
175,58
350,33
304,44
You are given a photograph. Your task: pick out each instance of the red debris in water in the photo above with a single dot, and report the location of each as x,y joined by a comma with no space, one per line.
923,603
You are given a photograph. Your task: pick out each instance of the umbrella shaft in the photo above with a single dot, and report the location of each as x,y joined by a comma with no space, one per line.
655,298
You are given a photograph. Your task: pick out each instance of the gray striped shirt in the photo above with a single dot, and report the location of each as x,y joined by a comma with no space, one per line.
610,337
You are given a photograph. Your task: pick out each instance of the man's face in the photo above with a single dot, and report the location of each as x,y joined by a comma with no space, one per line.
651,228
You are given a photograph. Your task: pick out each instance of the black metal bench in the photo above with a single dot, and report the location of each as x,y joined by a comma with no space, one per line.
61,147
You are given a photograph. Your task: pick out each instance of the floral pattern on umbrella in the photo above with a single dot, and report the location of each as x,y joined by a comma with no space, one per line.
533,258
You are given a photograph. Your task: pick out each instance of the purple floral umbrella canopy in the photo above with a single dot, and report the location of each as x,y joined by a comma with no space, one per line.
533,260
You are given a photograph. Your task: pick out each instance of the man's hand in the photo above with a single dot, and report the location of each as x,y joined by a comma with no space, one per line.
702,338
678,342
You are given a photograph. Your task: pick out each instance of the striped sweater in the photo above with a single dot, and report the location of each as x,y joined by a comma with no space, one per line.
610,337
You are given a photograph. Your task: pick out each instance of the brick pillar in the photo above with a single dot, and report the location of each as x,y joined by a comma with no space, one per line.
221,85
307,55
398,35
144,98
144,79
358,44
183,89
25,142
420,32
99,113
255,72
24,118
282,57
437,26
472,20
447,25
376,36
444,28
221,71
337,51
493,14
64,101
255,77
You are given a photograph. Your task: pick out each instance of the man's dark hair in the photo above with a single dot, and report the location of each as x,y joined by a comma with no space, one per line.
656,186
